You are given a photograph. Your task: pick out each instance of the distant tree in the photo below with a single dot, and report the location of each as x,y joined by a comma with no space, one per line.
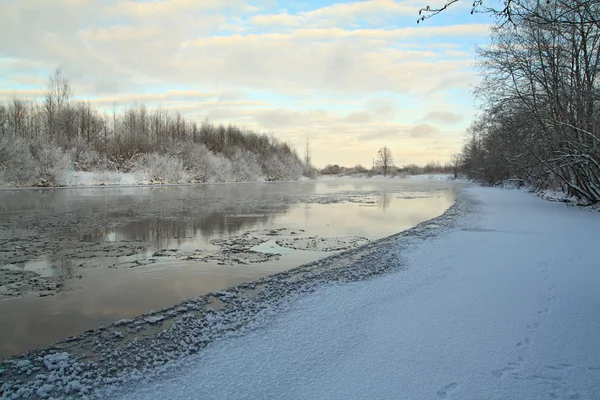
57,97
308,170
331,169
456,162
307,153
384,160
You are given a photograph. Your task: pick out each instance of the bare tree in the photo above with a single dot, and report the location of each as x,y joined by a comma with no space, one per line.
540,89
58,95
456,162
307,153
384,160
513,11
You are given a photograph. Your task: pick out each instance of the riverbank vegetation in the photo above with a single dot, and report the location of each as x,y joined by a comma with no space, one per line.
540,122
49,142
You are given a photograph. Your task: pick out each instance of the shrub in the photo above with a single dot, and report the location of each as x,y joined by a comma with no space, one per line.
161,168
52,164
245,166
17,165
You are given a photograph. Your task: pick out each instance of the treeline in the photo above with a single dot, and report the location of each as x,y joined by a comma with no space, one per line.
541,96
432,167
41,141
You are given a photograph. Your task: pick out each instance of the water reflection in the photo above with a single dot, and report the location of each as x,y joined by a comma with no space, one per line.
187,218
167,233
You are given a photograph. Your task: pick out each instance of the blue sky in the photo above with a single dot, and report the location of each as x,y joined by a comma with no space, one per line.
351,76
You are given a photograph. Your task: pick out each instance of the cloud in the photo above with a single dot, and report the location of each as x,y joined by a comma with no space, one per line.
444,117
231,94
6,95
279,118
388,133
283,19
423,131
360,117
382,108
349,74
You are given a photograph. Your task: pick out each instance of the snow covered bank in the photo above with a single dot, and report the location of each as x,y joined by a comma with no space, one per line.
432,177
503,306
108,178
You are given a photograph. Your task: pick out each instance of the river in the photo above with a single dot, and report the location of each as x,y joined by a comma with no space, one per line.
76,259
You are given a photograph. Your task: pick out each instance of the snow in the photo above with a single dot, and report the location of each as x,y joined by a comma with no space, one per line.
502,306
81,178
431,177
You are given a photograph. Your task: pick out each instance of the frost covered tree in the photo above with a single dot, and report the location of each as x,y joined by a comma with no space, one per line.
384,160
41,139
541,120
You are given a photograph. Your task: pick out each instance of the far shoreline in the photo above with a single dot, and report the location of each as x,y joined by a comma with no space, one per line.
442,177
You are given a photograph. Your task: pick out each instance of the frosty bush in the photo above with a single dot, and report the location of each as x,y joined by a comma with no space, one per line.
23,163
158,144
292,167
88,160
282,167
203,165
222,172
161,168
52,164
245,166
17,165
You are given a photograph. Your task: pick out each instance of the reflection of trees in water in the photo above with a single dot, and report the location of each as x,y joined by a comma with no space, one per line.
385,200
162,232
62,266
115,199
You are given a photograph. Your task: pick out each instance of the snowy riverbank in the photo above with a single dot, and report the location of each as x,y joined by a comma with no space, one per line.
495,299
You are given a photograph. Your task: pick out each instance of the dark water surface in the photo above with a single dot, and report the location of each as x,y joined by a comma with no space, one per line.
186,219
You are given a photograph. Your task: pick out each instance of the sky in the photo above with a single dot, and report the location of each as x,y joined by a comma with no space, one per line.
349,76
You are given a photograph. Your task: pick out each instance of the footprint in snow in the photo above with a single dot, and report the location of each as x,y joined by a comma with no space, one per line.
523,342
499,373
535,325
544,311
559,367
443,392
512,366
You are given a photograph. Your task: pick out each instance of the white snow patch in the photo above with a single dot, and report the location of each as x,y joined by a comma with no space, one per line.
81,178
153,319
56,361
270,247
431,177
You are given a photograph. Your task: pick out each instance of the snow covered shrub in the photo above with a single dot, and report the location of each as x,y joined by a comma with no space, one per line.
292,167
245,166
203,165
91,160
85,159
161,168
282,167
52,164
273,168
309,171
17,165
223,170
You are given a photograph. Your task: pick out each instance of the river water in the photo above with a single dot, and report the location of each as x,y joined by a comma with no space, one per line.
76,259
